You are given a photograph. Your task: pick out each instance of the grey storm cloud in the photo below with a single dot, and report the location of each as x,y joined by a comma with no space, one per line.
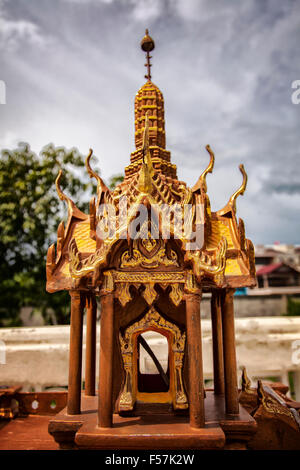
72,68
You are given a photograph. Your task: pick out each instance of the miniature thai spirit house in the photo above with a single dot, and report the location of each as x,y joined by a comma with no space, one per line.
153,281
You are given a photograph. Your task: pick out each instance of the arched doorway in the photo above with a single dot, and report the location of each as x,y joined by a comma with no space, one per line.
130,343
153,375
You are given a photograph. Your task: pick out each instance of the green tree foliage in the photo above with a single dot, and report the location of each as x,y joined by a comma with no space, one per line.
30,212
293,307
115,180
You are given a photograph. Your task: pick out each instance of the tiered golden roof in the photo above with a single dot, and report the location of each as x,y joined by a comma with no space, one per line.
149,100
226,258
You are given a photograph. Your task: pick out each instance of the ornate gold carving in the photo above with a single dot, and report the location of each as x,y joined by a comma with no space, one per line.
183,193
138,259
126,399
176,294
146,151
74,258
246,383
79,268
101,187
146,171
126,279
145,180
152,319
212,265
231,205
108,283
150,293
191,285
123,293
270,404
62,196
201,183
241,190
145,277
149,243
72,209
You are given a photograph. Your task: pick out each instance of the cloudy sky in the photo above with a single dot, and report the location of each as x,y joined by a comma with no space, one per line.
225,67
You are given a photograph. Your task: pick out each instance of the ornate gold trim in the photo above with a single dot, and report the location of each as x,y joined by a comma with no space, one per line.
123,293
108,284
190,284
79,268
150,293
270,404
138,259
143,277
176,294
125,279
216,266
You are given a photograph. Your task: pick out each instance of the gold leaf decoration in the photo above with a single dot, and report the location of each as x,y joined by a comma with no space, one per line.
176,294
138,259
123,293
150,293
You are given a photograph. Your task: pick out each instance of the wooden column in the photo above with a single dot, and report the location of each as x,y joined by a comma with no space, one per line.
216,323
90,345
75,354
194,344
230,372
105,406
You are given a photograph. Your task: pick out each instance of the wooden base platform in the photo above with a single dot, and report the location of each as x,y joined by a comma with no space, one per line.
145,432
157,431
26,433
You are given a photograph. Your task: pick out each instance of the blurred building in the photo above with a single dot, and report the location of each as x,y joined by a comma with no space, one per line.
266,255
278,275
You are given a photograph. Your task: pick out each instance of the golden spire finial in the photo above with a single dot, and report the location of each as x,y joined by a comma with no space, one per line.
147,45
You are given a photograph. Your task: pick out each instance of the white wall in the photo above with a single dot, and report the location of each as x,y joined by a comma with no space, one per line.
37,357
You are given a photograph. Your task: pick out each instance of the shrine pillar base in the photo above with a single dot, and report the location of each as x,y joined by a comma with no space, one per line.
90,358
75,361
105,405
217,340
194,350
230,370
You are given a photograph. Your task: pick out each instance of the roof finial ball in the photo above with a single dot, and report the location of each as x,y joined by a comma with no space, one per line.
147,45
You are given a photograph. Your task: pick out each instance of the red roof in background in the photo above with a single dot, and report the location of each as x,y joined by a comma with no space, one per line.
268,269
